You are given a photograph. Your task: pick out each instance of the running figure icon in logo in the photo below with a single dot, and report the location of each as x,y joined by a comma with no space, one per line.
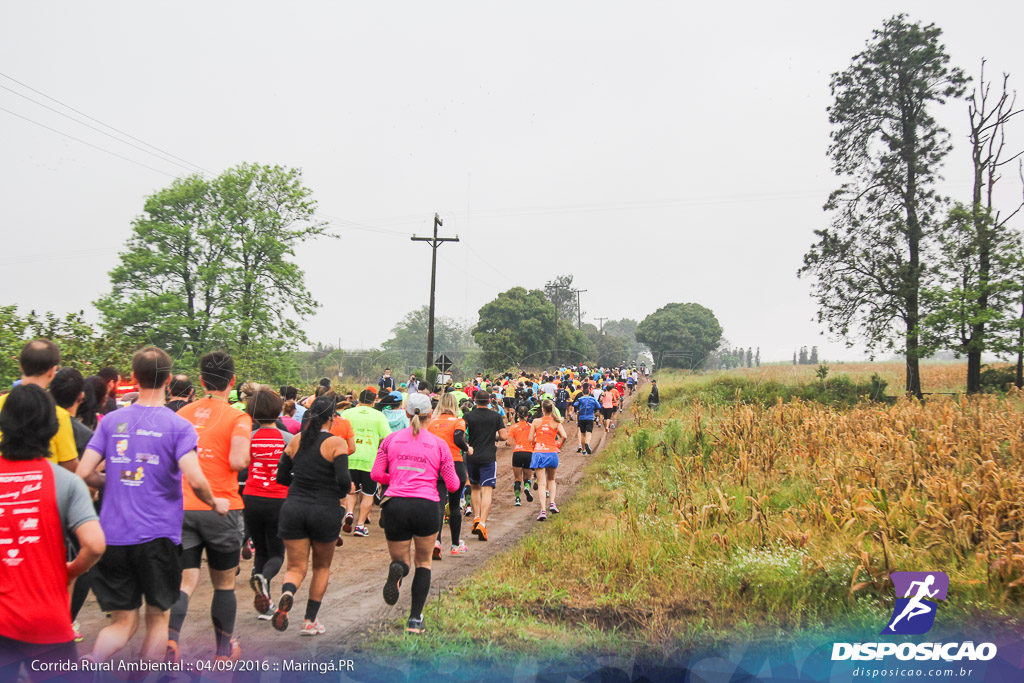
914,613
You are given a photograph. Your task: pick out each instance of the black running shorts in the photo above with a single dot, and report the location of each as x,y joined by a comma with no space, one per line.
606,413
126,573
522,458
363,481
408,517
318,523
585,426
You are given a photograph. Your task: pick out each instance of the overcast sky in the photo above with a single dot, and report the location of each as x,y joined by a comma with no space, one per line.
659,152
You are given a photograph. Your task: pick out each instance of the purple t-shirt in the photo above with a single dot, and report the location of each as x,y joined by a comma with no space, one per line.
142,499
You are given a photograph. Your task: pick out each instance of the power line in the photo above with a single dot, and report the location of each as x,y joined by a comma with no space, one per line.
107,125
98,130
89,144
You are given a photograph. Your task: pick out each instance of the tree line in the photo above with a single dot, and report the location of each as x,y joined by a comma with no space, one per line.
901,267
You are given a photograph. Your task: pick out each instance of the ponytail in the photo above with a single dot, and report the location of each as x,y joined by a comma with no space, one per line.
320,413
414,422
549,409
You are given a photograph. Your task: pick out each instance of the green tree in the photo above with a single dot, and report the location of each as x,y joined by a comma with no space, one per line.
208,265
979,285
517,328
609,348
680,335
972,304
626,328
81,346
12,338
559,292
868,266
452,337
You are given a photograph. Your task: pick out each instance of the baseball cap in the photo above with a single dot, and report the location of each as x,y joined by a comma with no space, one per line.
458,385
418,404
481,396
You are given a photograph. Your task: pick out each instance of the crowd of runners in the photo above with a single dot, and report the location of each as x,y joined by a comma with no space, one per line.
122,494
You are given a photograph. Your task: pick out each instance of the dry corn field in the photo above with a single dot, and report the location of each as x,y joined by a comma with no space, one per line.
936,485
935,377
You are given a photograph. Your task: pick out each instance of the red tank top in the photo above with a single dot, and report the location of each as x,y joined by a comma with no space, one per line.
265,453
34,604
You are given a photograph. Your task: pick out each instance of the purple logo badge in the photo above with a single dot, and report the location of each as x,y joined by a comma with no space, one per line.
914,611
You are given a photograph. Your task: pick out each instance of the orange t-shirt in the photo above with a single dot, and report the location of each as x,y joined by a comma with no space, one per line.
444,427
217,423
342,428
520,434
545,436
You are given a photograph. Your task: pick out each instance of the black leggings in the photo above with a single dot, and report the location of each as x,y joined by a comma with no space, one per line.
452,498
261,515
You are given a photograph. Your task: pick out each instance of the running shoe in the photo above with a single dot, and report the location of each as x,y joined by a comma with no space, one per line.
476,523
542,517
311,628
261,587
280,619
553,509
78,631
269,614
340,542
529,496
518,502
589,452
415,627
460,549
346,525
580,449
469,510
437,550
247,549
361,531
395,573
481,532
236,653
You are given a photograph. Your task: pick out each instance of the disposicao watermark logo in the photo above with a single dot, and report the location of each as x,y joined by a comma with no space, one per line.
914,614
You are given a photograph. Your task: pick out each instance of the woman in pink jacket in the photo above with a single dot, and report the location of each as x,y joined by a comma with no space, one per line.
409,462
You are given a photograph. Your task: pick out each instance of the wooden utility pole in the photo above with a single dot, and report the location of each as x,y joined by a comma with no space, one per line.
434,243
554,300
579,314
601,330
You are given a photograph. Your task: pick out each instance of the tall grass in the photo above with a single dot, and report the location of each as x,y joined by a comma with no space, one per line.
708,522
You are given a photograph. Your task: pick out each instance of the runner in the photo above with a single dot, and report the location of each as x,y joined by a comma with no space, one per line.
483,428
585,406
522,454
147,450
391,406
35,615
452,430
315,470
369,426
410,462
224,439
39,361
263,497
547,434
288,419
180,392
608,403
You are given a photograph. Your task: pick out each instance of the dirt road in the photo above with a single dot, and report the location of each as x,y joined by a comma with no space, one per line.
353,605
